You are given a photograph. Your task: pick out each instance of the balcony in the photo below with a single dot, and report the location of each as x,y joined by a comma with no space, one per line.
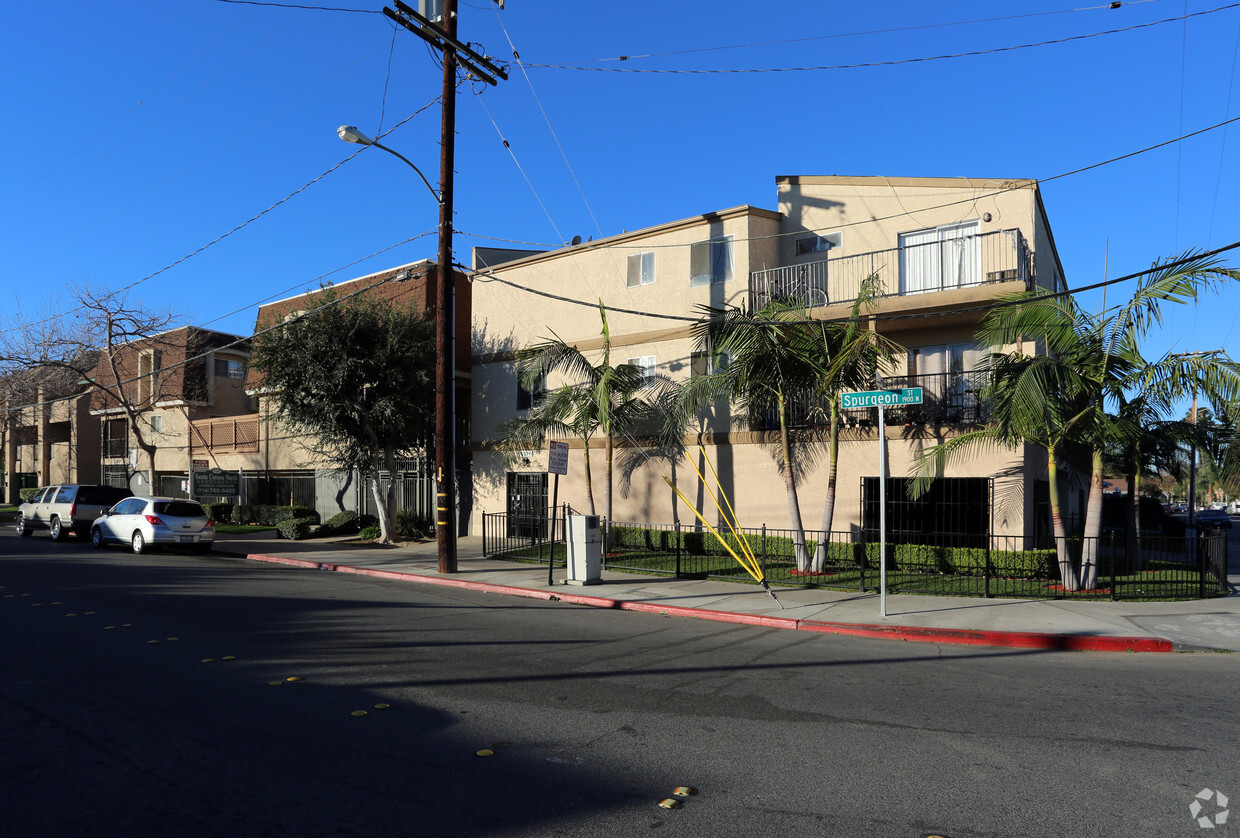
952,398
946,264
230,435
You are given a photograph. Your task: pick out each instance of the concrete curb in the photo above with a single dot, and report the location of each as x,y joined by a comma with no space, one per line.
917,634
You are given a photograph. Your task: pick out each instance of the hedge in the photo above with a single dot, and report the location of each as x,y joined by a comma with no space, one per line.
296,529
27,495
266,514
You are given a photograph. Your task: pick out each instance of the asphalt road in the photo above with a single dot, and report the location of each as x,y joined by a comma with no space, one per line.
114,723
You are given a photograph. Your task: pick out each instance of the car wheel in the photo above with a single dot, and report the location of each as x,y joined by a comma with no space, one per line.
96,537
57,531
22,529
139,543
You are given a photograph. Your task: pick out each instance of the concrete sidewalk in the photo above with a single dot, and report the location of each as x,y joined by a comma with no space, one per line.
1212,624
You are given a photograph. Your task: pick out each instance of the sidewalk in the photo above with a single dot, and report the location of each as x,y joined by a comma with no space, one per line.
1212,624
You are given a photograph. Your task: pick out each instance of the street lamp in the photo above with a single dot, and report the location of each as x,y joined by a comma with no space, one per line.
445,353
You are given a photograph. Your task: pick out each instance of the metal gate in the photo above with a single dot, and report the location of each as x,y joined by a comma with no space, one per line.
527,504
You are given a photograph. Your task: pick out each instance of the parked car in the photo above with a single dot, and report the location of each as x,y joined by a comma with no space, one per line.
1179,508
1214,518
66,508
145,522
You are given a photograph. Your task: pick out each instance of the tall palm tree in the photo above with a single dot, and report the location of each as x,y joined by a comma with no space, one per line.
771,366
850,356
1090,361
598,398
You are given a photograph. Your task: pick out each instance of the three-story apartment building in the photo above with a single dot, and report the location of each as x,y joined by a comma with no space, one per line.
942,249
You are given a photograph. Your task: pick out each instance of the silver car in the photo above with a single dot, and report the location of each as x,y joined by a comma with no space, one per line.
145,522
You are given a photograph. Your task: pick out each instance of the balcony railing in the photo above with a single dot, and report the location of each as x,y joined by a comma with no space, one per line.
953,398
962,262
230,435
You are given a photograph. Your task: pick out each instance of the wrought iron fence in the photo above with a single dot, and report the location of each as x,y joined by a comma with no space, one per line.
1159,567
530,537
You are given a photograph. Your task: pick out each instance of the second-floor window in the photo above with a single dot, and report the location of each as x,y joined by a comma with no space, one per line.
640,269
229,369
527,397
710,262
941,257
115,437
646,364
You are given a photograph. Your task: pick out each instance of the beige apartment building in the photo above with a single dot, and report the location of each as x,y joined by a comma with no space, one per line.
943,249
48,434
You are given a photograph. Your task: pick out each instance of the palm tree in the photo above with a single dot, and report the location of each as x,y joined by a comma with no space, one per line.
599,398
1090,360
851,355
771,366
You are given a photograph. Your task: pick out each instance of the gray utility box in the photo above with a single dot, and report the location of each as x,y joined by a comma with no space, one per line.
585,550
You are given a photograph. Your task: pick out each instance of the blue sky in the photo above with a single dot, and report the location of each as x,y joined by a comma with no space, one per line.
139,132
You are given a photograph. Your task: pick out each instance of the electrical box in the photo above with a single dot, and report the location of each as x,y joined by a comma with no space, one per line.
585,550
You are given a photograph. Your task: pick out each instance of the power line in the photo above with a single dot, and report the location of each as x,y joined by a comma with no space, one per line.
299,6
891,62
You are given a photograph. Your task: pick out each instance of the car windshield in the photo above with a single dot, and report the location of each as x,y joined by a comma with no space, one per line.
179,508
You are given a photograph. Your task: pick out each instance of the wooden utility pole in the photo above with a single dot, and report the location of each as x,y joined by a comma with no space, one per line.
442,36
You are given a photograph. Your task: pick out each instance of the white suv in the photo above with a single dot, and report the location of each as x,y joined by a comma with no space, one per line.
67,508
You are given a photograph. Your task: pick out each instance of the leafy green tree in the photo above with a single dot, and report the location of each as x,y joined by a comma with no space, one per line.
356,374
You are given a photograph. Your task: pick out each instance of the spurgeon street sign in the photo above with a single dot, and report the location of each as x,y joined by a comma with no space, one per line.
881,398
216,481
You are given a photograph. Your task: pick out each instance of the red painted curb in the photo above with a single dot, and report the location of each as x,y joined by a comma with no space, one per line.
965,637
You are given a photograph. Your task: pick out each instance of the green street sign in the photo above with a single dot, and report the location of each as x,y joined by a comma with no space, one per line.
216,481
881,398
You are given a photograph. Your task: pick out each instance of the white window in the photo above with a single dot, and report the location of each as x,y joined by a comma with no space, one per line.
942,257
640,269
944,358
157,424
710,262
646,364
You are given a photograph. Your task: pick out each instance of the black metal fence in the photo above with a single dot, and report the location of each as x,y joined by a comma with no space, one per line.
1106,567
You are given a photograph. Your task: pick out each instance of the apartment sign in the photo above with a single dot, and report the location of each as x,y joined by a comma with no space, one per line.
216,481
881,398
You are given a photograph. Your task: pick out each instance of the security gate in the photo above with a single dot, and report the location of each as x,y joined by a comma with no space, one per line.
527,504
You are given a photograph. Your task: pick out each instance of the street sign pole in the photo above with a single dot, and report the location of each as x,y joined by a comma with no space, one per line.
557,464
882,399
882,508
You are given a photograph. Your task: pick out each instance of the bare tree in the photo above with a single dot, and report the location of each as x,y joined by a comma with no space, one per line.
121,350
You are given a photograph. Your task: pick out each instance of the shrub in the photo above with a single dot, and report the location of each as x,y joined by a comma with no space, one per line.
219,511
296,529
342,523
1014,564
410,525
370,533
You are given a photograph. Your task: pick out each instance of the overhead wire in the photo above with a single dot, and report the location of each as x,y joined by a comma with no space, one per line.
885,63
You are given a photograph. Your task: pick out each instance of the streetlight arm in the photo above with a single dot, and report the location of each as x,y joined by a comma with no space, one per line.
437,196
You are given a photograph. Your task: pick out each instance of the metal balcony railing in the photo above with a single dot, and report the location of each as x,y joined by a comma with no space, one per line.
1001,256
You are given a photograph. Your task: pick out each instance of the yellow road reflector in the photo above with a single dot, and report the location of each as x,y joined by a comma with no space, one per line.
669,803
108,628
382,706
208,660
90,613
275,683
174,638
35,604
292,678
150,642
358,713
229,658
71,615
485,752
126,625
57,603
683,791
9,596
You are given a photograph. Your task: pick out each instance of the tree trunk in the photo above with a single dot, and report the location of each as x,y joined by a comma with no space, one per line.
1067,572
790,485
381,504
1093,525
589,480
828,506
